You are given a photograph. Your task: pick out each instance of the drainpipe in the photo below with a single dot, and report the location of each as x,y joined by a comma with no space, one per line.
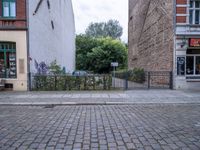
28,46
174,49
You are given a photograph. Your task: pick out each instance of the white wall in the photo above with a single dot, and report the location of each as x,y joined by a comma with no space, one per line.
47,44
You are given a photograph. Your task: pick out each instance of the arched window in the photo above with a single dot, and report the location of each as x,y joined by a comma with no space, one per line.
9,8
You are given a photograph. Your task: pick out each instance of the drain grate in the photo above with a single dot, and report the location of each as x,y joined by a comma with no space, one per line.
49,106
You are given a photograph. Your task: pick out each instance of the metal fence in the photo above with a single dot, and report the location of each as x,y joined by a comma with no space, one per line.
124,80
69,82
144,80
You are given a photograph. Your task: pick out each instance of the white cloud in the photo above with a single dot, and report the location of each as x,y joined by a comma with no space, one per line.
87,11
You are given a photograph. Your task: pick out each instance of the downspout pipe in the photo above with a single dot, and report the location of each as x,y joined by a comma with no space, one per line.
174,49
28,47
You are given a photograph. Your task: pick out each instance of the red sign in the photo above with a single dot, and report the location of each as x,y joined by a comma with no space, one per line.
194,42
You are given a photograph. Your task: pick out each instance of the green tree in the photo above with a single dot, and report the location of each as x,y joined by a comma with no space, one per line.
112,28
96,54
84,45
55,69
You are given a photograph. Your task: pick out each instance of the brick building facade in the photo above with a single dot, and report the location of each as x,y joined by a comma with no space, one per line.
18,21
34,33
164,36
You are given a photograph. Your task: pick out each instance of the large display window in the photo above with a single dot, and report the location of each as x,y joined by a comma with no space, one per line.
193,65
8,68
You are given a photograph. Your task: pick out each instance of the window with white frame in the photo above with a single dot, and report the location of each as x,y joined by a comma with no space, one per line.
194,10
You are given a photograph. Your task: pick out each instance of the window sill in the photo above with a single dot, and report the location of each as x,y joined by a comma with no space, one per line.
194,25
11,79
7,18
189,25
193,78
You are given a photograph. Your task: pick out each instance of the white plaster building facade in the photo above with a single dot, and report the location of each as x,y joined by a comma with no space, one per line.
51,33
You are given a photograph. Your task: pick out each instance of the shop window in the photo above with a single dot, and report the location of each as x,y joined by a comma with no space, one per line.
193,65
194,12
198,65
8,60
190,65
9,8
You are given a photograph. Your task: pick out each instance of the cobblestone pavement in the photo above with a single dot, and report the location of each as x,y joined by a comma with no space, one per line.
101,97
101,127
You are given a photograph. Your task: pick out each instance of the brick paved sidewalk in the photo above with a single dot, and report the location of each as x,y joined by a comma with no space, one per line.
113,127
101,97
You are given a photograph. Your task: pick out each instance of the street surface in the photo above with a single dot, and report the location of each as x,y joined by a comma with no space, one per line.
101,127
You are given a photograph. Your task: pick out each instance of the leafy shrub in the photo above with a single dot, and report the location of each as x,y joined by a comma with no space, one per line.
67,83
136,75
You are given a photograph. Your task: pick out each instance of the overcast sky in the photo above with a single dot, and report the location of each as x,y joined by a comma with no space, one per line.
87,11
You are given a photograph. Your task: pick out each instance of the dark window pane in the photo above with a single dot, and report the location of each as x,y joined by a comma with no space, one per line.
198,65
6,46
196,4
196,16
2,65
191,4
8,61
191,16
190,65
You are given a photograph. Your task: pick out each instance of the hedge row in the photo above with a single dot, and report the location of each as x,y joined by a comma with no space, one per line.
65,83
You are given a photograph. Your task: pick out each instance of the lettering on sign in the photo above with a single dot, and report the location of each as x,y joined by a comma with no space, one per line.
194,42
114,64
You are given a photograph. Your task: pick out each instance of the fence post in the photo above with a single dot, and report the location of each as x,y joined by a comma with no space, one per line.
85,82
55,82
65,88
30,81
126,81
79,83
94,86
171,80
104,82
149,80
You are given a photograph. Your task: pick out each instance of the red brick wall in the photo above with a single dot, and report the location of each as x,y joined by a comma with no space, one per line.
21,9
181,1
19,21
181,19
181,10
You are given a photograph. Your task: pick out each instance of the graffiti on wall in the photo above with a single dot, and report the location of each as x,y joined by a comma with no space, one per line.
42,67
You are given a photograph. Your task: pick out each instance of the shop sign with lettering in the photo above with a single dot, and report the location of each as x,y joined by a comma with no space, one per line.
194,42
